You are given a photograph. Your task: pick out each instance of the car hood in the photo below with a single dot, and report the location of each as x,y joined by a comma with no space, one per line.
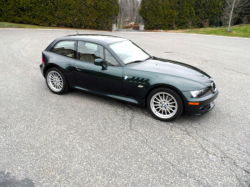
172,68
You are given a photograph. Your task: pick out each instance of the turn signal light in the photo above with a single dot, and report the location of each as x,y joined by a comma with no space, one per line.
42,60
194,103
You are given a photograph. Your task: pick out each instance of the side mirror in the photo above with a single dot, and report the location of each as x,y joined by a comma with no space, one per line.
100,62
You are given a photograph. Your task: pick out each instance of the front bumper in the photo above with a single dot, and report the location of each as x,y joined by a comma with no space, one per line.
206,104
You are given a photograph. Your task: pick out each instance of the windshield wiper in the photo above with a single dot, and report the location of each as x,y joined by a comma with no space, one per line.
136,61
148,58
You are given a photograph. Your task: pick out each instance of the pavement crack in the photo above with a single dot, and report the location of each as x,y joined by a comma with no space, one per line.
131,124
228,139
238,179
237,72
243,169
222,158
131,118
166,161
154,150
202,147
223,153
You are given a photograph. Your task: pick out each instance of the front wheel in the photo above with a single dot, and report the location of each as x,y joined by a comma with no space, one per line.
56,81
164,104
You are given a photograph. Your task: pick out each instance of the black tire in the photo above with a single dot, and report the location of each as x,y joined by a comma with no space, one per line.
175,104
64,86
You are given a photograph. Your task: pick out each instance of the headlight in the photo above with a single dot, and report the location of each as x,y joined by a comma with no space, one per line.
201,93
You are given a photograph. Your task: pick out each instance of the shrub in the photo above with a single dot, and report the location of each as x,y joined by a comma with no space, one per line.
93,14
173,14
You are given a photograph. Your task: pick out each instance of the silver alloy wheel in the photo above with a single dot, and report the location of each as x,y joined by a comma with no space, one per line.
55,81
163,105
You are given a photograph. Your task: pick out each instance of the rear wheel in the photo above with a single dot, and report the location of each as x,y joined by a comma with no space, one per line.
56,81
164,104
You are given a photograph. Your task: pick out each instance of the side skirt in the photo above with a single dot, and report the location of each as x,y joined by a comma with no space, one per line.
126,99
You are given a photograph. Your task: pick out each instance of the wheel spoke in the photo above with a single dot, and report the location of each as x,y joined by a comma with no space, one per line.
172,106
166,98
55,81
161,99
157,99
170,109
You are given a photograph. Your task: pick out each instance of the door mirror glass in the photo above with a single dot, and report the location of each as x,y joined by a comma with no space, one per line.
99,62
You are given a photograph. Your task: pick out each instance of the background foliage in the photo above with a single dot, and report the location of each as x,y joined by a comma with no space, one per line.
90,14
180,14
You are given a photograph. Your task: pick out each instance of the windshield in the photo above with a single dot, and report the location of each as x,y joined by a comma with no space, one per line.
129,52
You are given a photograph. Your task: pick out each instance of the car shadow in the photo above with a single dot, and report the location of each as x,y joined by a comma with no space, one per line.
107,100
142,110
7,180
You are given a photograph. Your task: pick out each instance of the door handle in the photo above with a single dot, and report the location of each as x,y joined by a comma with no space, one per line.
79,68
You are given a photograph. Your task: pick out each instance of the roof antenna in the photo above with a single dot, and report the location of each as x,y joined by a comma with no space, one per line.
73,26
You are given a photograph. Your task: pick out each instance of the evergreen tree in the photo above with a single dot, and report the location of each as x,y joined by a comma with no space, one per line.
153,12
96,14
3,4
179,13
170,14
206,11
186,13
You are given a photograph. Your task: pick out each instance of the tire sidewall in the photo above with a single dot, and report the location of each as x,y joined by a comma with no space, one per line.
63,77
174,94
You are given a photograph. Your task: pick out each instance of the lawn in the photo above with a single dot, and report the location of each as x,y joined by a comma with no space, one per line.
236,31
18,25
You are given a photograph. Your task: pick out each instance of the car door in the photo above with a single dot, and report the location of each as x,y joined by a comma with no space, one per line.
92,77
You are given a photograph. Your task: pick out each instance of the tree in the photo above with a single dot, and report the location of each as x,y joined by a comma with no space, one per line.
153,14
122,5
231,10
186,13
206,11
2,8
244,15
173,14
96,14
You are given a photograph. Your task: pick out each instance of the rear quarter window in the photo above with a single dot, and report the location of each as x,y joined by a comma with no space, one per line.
65,48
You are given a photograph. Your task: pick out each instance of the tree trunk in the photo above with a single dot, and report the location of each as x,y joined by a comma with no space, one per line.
133,11
120,19
231,15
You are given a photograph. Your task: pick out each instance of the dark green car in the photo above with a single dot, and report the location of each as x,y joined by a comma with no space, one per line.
118,68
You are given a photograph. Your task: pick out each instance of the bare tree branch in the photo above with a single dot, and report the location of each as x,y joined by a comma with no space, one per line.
231,9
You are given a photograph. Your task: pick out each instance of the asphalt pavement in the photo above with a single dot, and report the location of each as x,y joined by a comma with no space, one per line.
79,139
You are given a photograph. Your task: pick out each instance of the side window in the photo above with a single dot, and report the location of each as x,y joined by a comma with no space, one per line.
110,60
65,48
88,52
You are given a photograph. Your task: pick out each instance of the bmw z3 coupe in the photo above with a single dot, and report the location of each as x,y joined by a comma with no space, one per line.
117,68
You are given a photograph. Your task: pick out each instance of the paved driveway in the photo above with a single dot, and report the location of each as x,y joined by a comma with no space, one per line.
80,139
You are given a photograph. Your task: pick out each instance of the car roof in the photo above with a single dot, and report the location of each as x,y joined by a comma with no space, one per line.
104,39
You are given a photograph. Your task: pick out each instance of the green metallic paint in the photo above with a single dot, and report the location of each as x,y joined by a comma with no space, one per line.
126,99
132,82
